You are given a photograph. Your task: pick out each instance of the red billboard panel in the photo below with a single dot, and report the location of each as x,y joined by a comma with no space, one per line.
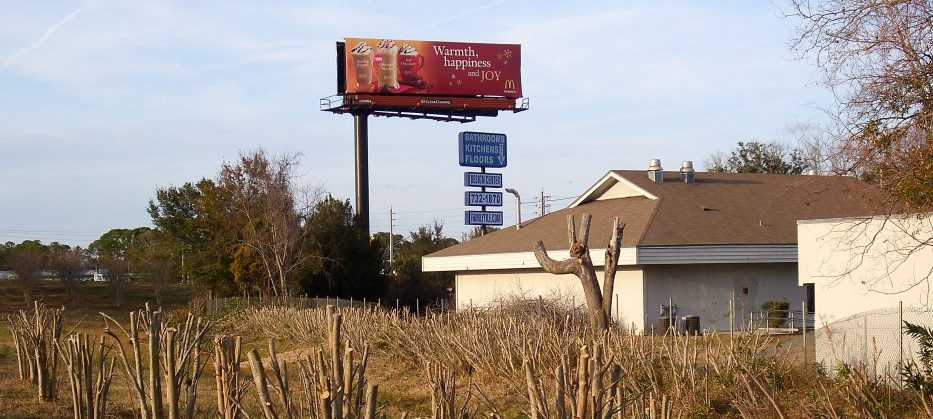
406,67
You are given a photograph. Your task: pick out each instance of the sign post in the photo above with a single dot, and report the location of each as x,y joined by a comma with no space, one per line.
482,149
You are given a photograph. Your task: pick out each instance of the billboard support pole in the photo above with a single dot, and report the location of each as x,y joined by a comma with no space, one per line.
361,147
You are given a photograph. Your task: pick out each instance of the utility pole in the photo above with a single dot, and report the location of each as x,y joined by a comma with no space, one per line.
544,202
391,237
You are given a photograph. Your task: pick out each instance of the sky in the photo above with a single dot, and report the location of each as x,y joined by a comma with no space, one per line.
102,102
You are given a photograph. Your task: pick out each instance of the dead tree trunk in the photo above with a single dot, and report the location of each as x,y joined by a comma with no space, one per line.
174,358
35,337
598,302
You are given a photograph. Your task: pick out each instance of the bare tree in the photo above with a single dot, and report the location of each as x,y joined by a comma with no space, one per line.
261,193
598,303
69,265
153,256
117,271
27,262
876,58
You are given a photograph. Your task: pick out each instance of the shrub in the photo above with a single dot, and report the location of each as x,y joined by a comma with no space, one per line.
776,312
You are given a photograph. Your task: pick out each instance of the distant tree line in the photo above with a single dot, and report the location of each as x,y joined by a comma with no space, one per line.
251,229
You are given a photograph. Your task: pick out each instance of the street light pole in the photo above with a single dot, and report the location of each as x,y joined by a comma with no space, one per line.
518,207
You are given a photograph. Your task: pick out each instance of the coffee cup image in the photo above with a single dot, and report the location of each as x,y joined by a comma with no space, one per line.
409,63
362,57
387,64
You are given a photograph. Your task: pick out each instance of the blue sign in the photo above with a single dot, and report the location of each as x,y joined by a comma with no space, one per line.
489,199
482,149
479,218
486,180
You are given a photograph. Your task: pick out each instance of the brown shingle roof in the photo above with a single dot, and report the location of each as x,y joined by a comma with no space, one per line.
720,208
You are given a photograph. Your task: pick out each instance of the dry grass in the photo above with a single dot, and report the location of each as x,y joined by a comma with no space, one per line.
712,375
706,376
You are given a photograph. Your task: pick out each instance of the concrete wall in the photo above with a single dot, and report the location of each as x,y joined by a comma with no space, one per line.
705,290
861,269
482,288
863,264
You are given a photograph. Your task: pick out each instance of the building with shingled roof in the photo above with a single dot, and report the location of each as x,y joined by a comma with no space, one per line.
699,239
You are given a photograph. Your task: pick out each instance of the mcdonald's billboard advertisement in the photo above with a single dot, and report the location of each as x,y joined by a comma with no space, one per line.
430,68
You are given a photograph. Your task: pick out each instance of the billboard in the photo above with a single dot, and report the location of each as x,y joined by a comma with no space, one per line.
431,68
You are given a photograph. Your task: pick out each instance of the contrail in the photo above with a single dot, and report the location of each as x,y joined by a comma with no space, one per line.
12,58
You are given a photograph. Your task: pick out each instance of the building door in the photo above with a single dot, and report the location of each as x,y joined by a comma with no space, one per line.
811,297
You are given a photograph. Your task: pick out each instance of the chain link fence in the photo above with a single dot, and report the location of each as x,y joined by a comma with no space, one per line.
872,338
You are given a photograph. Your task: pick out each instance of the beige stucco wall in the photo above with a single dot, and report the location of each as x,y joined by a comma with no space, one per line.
861,269
482,288
860,264
705,290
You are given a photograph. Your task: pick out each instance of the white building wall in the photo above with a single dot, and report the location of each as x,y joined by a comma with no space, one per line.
705,290
483,288
863,264
861,269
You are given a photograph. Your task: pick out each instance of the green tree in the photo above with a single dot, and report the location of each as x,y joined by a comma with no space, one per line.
345,262
5,251
247,269
408,282
193,218
383,238
117,242
757,157
27,260
113,252
477,231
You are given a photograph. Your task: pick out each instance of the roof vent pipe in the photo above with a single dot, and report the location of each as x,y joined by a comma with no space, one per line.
655,171
687,174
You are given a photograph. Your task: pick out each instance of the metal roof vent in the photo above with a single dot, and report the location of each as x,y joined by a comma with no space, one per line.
687,174
655,171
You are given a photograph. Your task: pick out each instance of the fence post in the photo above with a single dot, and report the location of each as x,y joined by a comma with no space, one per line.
803,327
900,335
732,316
865,340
